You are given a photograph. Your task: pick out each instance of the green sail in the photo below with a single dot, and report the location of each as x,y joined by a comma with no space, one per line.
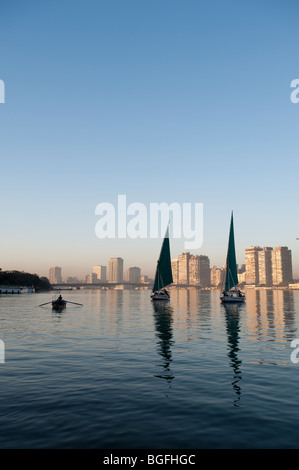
163,273
231,278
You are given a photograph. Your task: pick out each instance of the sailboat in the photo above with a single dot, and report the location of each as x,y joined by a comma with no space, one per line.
163,277
231,293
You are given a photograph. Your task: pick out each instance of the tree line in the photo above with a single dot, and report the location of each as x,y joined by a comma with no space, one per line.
20,278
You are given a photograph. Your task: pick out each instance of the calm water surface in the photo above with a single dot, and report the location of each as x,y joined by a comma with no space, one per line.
122,372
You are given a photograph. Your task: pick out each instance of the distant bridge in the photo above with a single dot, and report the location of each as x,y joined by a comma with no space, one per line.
98,285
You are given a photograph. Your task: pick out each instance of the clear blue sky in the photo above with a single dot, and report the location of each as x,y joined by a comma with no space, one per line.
161,100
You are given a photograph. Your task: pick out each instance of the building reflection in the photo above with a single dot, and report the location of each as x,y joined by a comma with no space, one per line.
163,316
271,314
193,311
232,317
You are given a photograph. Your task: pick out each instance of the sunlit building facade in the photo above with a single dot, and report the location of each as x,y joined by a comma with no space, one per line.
55,275
115,269
101,272
175,270
199,271
268,266
265,266
282,272
252,265
217,276
134,275
184,268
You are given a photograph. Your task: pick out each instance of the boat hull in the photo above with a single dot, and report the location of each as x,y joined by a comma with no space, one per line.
232,299
58,305
160,295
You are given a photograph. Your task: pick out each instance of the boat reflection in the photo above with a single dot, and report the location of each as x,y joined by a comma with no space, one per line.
232,317
163,314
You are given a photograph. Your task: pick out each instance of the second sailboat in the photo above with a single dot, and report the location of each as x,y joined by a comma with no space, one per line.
163,277
230,293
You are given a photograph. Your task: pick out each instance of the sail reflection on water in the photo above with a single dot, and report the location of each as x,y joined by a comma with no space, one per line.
163,316
232,317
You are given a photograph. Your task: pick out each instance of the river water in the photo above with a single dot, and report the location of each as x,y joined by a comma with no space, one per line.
123,372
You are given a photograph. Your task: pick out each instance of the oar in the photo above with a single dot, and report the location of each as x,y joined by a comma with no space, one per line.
72,302
45,304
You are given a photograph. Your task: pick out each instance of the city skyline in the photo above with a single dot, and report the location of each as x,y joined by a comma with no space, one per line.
155,101
147,268
264,266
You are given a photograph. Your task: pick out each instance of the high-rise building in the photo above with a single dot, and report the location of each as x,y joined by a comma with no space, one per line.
204,273
199,271
282,273
91,278
72,280
184,268
265,266
252,265
134,275
194,270
115,270
217,276
242,277
100,271
55,275
175,270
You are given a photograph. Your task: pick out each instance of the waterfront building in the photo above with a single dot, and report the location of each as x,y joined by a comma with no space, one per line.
72,280
282,273
242,277
134,275
101,272
199,271
252,265
265,266
175,270
217,276
91,278
115,270
183,275
55,275
194,270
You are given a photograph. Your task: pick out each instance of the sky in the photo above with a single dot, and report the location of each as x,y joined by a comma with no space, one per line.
158,100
